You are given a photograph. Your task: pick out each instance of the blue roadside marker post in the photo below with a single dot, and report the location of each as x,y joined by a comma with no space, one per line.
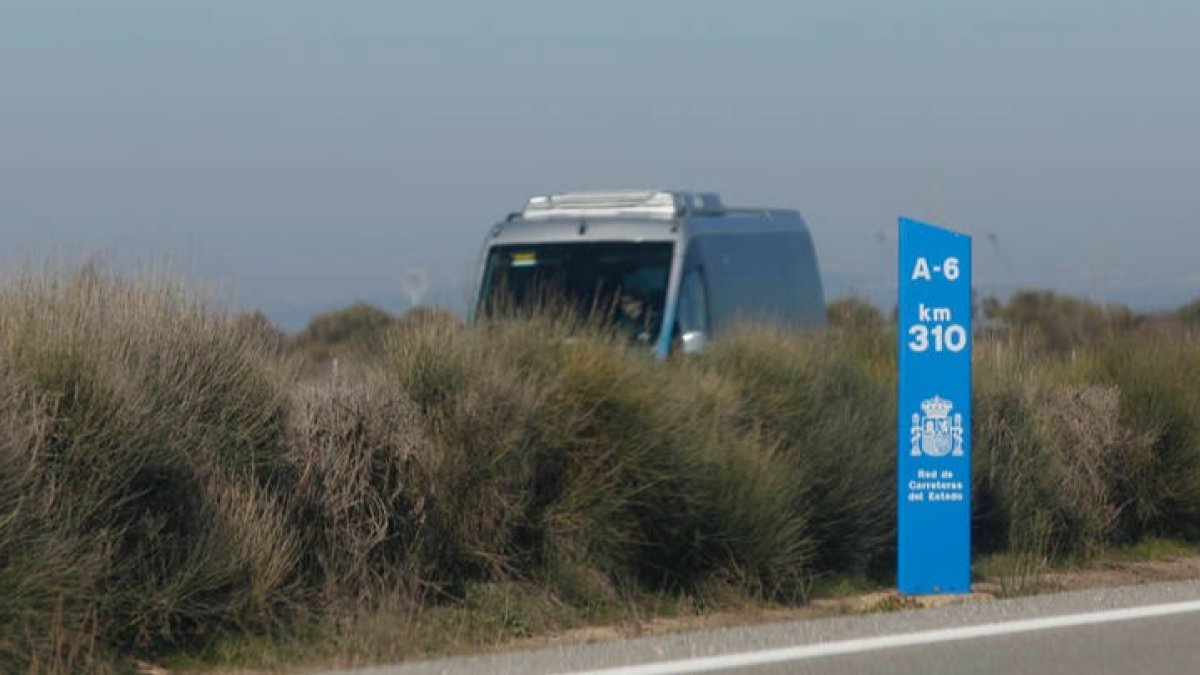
934,426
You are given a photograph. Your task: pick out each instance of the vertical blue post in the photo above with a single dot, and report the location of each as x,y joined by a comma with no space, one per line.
934,426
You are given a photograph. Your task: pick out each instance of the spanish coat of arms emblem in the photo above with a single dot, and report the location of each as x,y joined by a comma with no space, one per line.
935,433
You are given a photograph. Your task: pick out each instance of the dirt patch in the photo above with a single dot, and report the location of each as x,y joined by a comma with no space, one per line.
1106,574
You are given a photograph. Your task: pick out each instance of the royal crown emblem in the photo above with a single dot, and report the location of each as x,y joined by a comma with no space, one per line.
933,434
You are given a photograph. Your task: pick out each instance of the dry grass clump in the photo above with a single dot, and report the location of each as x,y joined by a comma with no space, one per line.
537,451
1047,460
136,439
1099,448
354,332
1157,375
827,403
569,449
1189,314
855,315
364,473
1053,323
170,480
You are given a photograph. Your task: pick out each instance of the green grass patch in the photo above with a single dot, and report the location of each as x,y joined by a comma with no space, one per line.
1149,550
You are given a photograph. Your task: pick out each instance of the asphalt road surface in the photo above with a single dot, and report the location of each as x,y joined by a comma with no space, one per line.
1147,630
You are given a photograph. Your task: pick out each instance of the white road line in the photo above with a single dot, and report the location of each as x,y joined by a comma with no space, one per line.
799,653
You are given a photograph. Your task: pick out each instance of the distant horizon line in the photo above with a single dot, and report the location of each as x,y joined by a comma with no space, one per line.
292,316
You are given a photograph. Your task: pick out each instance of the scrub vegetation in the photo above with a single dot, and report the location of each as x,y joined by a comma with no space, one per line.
178,483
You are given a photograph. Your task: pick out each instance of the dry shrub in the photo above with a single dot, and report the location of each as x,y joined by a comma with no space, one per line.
657,459
1050,456
140,404
828,404
1090,451
1157,375
1059,324
365,471
1080,450
355,333
1189,314
360,324
856,315
563,450
167,479
47,623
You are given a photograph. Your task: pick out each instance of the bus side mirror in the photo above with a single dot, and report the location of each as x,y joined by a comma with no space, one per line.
694,342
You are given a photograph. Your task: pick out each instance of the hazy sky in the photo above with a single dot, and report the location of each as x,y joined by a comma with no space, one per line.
304,154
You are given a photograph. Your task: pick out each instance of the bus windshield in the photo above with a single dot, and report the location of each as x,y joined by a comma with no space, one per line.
620,283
